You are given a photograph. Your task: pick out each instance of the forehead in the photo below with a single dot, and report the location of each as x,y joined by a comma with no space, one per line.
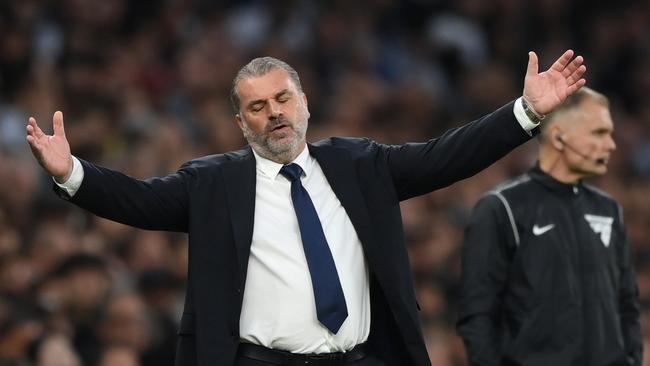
595,115
587,117
265,86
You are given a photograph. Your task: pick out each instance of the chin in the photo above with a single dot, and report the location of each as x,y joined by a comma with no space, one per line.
282,146
598,171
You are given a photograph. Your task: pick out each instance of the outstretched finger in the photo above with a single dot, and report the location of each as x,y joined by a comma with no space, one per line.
573,88
577,75
33,144
573,66
57,122
533,64
35,129
561,62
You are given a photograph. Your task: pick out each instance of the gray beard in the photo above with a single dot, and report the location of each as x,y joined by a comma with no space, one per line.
268,148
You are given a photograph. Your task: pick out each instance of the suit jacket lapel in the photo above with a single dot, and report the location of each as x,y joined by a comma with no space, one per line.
342,176
240,180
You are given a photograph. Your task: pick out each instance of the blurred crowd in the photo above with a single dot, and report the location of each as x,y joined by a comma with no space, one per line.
144,87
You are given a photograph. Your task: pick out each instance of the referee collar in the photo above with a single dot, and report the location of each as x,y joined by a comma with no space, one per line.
553,184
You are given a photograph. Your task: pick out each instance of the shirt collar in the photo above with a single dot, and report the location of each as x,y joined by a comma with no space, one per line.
271,169
553,184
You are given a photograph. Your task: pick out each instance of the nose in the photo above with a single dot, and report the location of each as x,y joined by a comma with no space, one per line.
611,144
275,109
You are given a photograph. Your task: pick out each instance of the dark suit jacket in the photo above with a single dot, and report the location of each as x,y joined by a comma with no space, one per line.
212,198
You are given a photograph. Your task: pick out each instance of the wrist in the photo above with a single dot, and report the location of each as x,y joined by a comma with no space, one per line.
64,178
533,115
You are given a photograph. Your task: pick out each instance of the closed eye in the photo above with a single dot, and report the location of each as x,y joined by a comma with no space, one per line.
602,132
283,96
256,107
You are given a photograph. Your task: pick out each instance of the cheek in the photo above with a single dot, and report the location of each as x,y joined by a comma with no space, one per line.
606,143
255,124
302,112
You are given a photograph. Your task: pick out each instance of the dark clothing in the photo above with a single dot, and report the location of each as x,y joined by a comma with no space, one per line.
356,356
213,199
368,361
548,279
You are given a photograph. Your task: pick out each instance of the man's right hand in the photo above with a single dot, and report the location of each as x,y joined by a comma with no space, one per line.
51,151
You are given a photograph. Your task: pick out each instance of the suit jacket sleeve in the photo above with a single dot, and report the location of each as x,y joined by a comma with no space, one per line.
154,204
629,301
486,257
419,168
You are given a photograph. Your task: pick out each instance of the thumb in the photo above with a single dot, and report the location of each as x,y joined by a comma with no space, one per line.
57,122
533,64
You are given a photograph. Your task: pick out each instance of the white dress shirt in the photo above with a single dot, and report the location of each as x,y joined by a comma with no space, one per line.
278,310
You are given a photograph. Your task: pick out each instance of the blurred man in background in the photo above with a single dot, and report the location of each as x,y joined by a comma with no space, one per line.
547,275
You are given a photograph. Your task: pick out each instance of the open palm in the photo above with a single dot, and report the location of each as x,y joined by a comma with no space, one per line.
51,151
547,90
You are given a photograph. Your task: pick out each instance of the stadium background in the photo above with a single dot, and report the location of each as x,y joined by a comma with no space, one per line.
144,87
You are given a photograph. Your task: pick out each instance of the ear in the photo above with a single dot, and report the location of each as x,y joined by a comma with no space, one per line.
304,99
555,138
239,121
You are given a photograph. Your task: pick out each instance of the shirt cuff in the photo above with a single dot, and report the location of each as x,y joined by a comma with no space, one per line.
522,118
71,186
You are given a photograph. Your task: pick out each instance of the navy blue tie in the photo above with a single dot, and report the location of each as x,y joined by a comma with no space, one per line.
330,301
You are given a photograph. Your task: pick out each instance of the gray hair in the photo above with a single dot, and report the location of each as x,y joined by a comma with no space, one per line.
571,103
260,67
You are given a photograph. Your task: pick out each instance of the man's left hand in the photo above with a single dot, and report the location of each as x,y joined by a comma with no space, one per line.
547,90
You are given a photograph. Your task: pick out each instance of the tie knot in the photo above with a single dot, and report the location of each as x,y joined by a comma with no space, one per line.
291,171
